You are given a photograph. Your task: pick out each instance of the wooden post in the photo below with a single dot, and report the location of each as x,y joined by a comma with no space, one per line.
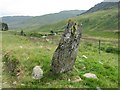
99,46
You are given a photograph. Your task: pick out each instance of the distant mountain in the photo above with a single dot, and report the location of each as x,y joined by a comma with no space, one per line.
29,21
111,0
15,21
74,12
106,4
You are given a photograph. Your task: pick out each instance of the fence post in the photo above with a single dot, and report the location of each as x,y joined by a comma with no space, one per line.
99,45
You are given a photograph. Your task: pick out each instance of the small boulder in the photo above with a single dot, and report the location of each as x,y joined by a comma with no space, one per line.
21,46
83,56
90,75
47,40
100,62
76,79
43,36
98,88
37,72
69,86
14,82
5,83
41,46
22,84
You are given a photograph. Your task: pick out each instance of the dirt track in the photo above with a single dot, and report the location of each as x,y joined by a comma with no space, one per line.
93,39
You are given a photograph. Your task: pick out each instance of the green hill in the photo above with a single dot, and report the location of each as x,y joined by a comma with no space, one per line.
30,21
100,20
102,6
15,21
100,23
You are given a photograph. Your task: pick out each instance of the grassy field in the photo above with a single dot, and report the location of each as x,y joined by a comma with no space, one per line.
27,52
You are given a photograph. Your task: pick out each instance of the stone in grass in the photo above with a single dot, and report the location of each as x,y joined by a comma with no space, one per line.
83,56
21,46
65,55
37,72
14,82
76,79
90,75
98,88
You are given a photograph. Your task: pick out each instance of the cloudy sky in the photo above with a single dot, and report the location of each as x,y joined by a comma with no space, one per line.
41,7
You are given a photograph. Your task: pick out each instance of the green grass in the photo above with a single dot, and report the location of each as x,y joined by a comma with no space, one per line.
38,51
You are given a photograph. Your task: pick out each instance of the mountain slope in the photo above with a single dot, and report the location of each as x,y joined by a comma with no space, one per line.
100,20
15,21
28,21
100,23
102,6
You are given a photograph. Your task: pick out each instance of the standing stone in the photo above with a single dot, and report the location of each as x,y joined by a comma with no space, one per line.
66,52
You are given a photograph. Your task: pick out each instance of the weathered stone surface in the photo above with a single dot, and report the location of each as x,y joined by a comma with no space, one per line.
15,82
66,52
37,72
75,79
90,75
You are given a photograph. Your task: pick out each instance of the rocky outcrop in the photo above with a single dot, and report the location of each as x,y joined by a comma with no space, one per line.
66,52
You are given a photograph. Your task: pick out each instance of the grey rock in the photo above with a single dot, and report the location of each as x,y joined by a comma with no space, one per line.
14,82
37,72
22,84
66,52
98,88
83,56
90,75
76,79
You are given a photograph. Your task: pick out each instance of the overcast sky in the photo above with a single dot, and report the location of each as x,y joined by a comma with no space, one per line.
41,7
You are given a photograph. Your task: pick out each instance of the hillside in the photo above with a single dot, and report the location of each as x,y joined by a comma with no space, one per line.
106,4
15,21
100,23
29,21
